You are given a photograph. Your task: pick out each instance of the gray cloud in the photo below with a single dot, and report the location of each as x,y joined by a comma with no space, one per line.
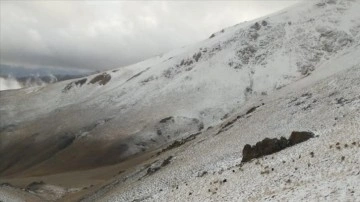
109,34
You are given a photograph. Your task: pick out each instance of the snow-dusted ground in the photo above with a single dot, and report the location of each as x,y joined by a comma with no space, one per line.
330,109
199,84
302,63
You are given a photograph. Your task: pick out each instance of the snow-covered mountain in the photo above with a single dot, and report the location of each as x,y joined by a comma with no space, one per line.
191,93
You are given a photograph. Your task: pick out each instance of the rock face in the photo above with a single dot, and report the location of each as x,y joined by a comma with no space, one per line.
298,137
102,79
264,147
269,146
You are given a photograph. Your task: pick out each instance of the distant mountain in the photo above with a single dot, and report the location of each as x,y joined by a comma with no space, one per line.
19,77
19,71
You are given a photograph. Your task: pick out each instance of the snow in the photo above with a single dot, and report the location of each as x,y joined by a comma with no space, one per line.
281,51
325,176
302,63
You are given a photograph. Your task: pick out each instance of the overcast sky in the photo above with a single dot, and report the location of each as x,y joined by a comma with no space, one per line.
100,35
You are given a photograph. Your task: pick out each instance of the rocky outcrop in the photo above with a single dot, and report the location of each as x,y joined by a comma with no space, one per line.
102,79
269,146
298,137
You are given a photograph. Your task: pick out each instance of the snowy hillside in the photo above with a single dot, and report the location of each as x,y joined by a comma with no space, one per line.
325,168
208,166
307,54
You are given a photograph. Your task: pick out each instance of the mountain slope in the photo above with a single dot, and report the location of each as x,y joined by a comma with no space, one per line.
324,168
105,118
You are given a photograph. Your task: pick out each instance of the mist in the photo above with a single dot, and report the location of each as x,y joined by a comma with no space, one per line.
9,83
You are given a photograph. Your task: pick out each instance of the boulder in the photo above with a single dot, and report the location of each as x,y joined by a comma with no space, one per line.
269,146
263,148
297,137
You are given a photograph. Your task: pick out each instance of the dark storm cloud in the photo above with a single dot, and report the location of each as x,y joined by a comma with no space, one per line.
104,35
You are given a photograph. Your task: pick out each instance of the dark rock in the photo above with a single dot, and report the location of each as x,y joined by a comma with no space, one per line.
34,186
167,119
202,174
251,110
158,132
269,146
307,95
256,26
197,56
152,170
67,87
297,137
264,147
307,107
166,161
102,79
341,101
80,82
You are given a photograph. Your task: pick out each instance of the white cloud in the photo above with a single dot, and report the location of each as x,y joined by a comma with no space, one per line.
108,34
